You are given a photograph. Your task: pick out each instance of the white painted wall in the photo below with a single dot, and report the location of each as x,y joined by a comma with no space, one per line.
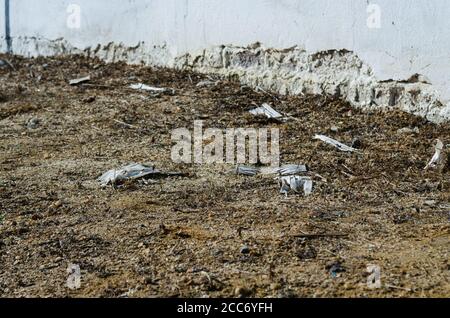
414,36
2,21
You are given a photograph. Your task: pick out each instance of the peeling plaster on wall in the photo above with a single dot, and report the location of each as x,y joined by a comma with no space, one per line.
111,52
289,71
334,72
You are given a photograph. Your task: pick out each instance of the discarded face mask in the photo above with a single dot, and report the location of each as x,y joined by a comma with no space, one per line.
151,89
131,172
335,143
267,111
296,184
439,157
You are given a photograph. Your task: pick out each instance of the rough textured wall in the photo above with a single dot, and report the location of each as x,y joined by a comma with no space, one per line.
334,72
336,50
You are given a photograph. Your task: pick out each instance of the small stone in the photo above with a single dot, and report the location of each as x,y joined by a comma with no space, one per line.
430,202
6,64
334,129
146,252
180,268
357,143
89,99
335,269
33,123
275,286
48,266
242,292
348,286
56,205
148,280
408,130
245,250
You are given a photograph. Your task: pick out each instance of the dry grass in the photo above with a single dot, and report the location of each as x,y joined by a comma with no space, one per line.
161,239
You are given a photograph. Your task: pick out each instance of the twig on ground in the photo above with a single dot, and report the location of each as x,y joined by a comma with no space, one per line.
314,236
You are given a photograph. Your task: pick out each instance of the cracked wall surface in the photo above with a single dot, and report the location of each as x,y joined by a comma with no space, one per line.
339,73
110,52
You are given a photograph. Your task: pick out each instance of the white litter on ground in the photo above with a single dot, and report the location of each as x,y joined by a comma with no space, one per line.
335,143
296,184
285,170
80,80
267,111
130,172
438,155
151,89
288,170
247,171
207,83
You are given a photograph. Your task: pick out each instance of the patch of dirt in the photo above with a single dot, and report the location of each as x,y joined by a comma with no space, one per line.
183,236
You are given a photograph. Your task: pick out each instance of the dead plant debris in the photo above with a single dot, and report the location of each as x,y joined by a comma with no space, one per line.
214,233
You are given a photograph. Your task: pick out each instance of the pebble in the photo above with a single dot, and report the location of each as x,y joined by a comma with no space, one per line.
356,143
430,202
48,266
275,286
33,123
180,268
408,130
242,291
148,280
89,99
56,205
348,286
245,249
334,129
335,269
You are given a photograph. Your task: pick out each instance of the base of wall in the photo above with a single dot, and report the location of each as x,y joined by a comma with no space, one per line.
290,71
335,72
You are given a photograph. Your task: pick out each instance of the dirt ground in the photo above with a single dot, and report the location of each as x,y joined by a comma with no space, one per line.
183,236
